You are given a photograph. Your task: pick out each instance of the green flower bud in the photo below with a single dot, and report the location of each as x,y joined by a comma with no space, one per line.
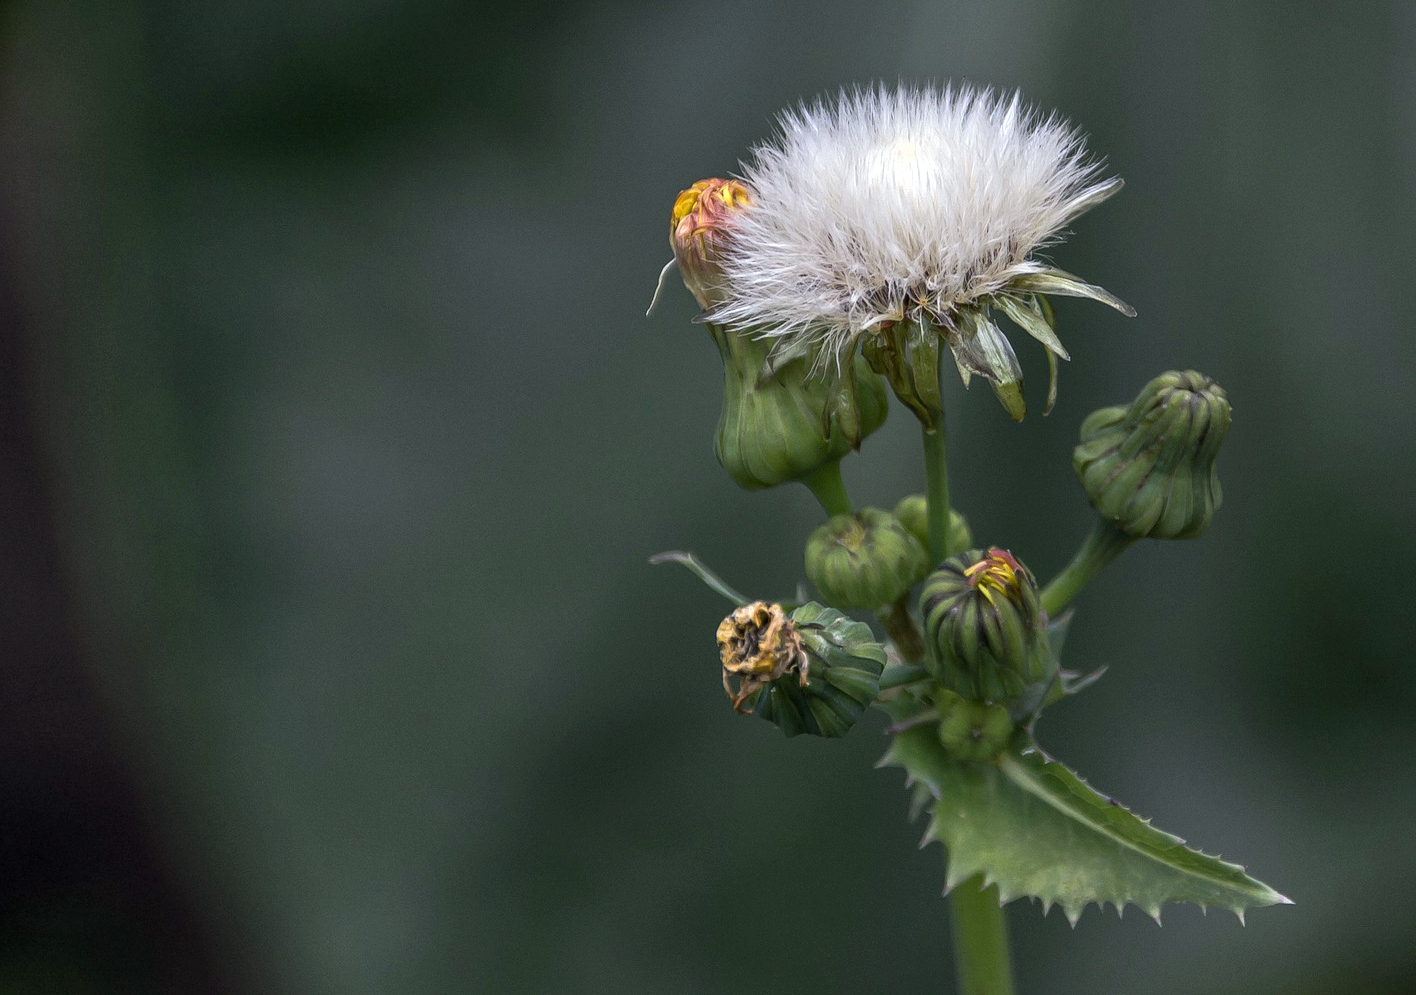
779,422
972,730
1149,469
913,513
814,671
864,560
982,612
784,424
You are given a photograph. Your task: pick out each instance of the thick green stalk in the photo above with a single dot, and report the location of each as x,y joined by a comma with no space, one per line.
936,505
980,940
826,483
1105,543
980,931
936,482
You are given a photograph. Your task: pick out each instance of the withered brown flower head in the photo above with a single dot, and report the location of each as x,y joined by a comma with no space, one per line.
758,644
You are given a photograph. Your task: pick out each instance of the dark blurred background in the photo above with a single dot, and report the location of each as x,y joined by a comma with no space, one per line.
334,439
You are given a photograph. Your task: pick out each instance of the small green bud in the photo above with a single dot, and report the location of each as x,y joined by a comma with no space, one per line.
1149,469
972,730
982,612
779,422
781,425
913,513
864,560
813,672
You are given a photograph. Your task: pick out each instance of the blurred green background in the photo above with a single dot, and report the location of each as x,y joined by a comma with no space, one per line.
335,441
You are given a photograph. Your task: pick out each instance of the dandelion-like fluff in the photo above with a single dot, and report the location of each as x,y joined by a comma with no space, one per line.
887,217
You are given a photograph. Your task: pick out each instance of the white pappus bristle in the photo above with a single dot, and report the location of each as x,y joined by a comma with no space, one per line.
888,204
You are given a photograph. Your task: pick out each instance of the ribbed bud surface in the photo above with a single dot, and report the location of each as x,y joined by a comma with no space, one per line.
1149,469
982,612
814,671
785,425
779,423
865,560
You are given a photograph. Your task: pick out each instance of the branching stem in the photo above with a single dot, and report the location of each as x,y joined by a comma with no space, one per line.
1105,543
980,931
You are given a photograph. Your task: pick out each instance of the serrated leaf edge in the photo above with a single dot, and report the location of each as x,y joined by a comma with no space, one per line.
1013,770
956,872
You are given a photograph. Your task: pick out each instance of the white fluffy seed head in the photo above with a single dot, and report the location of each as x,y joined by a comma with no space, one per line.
887,205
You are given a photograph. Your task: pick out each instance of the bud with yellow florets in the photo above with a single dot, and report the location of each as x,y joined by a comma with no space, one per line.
781,420
864,560
813,671
982,612
699,230
1149,468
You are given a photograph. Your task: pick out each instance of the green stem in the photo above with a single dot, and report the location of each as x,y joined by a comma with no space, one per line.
901,630
980,940
826,483
1105,543
936,481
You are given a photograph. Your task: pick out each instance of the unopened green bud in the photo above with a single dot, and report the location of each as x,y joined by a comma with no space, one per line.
814,671
779,422
972,730
784,424
864,560
982,612
1149,469
913,513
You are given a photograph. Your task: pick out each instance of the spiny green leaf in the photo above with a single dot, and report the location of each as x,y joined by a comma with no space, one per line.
1034,828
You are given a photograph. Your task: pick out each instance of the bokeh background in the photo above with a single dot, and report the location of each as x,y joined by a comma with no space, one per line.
335,440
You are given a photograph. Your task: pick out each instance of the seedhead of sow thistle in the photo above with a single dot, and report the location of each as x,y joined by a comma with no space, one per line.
893,222
870,235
